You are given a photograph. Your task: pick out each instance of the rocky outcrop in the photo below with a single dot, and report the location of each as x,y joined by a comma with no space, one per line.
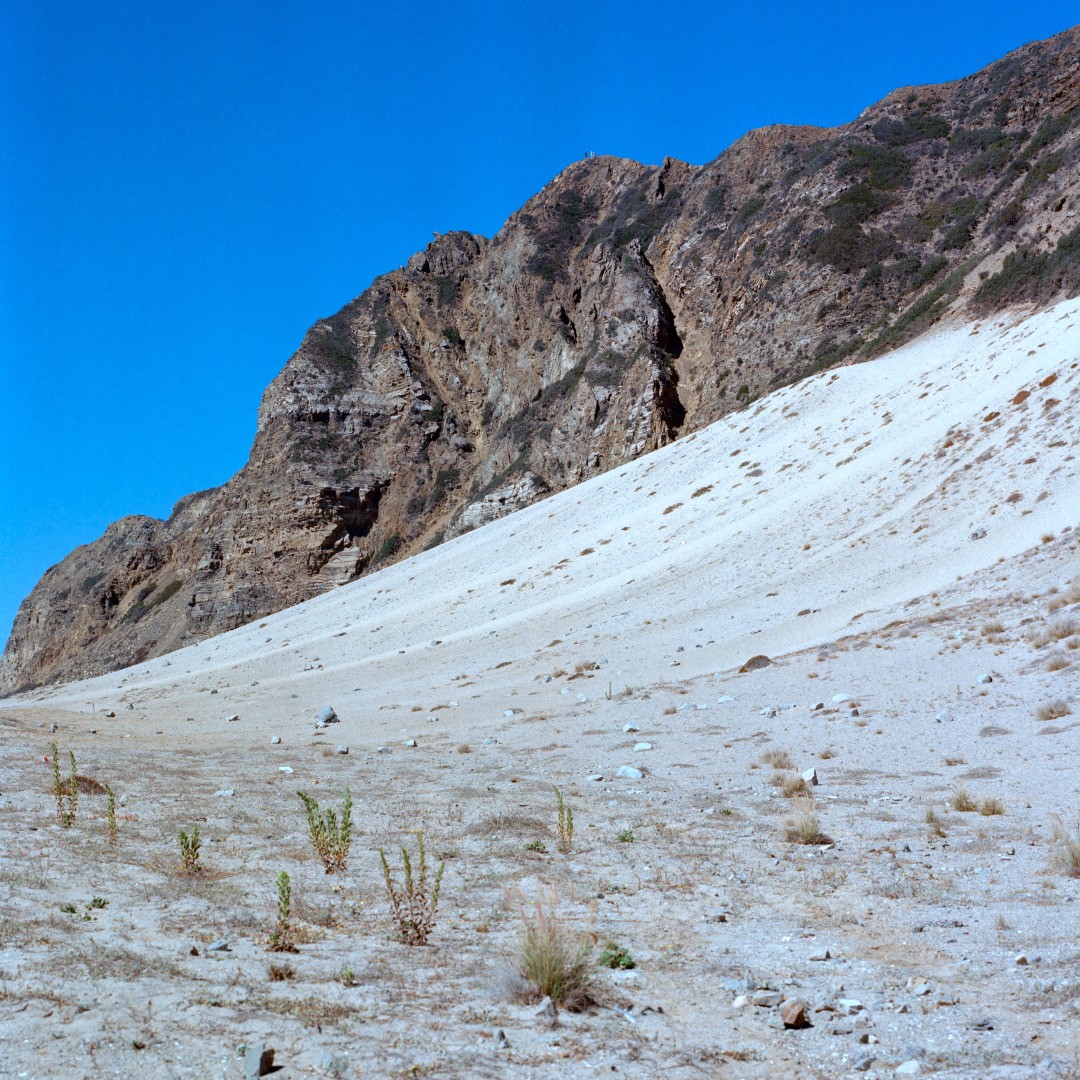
621,307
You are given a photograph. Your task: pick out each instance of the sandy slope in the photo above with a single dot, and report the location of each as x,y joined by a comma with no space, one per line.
868,529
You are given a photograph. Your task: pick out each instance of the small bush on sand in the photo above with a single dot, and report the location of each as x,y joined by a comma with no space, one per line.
67,798
190,849
283,938
564,820
110,814
933,822
412,906
991,807
1052,710
617,957
329,837
553,963
804,826
962,801
1068,851
778,759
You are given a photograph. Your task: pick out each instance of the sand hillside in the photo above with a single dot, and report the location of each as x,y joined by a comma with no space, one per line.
900,538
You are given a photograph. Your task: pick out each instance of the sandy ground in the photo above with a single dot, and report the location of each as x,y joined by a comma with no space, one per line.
900,538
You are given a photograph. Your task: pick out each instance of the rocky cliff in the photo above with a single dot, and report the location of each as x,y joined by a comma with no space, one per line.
622,306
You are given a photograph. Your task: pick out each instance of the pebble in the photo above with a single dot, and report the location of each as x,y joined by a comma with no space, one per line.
840,698
275,741
583,698
227,791
327,716
643,746
411,742
942,716
284,768
810,777
220,946
383,750
547,1011
848,1006
342,749
740,1002
821,956
596,776
909,1068
767,999
509,713
1021,960
232,719
630,727
985,679
629,772
489,741
723,700
793,1014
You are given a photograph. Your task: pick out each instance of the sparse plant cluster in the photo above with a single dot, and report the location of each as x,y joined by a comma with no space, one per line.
564,822
413,903
190,848
553,963
67,796
283,938
330,837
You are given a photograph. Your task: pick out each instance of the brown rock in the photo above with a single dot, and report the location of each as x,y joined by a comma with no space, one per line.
794,1014
755,663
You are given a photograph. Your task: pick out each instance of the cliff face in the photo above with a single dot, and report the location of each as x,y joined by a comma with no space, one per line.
622,306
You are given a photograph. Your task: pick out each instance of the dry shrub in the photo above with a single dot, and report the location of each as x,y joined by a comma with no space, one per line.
793,787
991,807
962,801
1066,598
778,759
933,822
995,626
1053,631
804,826
1068,840
553,962
1052,710
1057,662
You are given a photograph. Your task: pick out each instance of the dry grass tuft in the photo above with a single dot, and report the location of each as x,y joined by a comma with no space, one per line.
989,629
1068,840
1052,710
955,760
280,972
962,801
933,822
1057,662
778,759
794,786
1053,631
804,826
552,963
991,807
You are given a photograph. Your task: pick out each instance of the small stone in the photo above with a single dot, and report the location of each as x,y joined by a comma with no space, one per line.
275,741
509,713
793,1014
864,1063
220,946
258,1061
131,708
942,716
755,663
810,777
596,777
383,750
630,726
724,699
501,1041
840,698
285,768
740,1002
628,772
109,713
547,1012
921,989
821,956
583,698
232,719
489,741
225,791
978,534
909,1068
986,679
410,742
848,1006
643,746
819,706
717,917
342,749
330,1064
854,712
767,999
1021,960
53,729
327,716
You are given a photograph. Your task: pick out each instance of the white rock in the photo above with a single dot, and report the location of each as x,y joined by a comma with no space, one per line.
383,750
275,740
509,713
628,772
838,698
489,741
724,699
225,791
985,679
583,697
596,776
630,727
643,746
810,777
342,749
285,768
909,1068
232,719
411,742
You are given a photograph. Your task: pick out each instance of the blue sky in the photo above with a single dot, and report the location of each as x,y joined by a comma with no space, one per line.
185,188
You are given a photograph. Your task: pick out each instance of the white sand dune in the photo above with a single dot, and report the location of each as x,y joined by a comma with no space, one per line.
846,494
898,537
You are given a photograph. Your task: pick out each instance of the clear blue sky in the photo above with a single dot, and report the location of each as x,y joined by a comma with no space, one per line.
185,188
